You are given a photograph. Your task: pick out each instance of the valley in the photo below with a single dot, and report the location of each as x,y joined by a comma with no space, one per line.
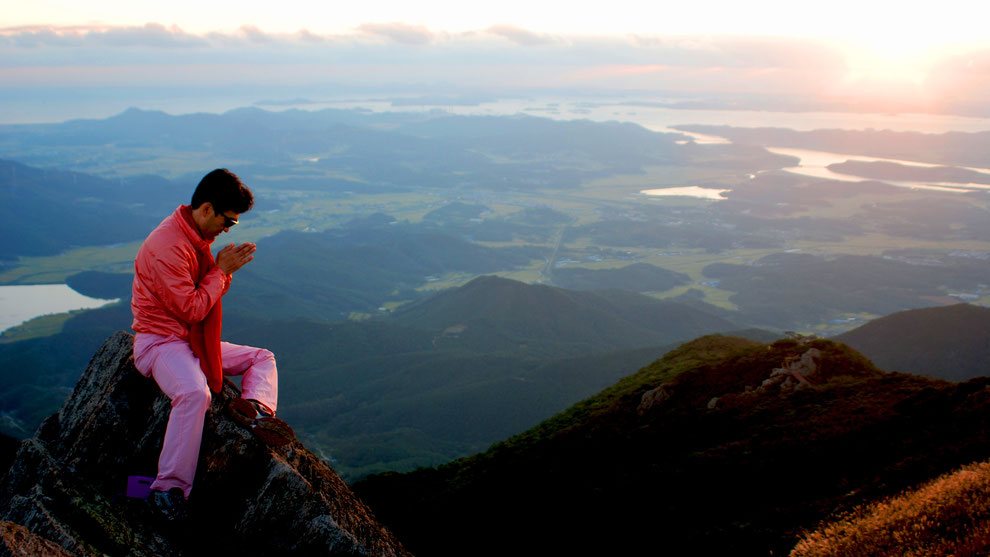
365,219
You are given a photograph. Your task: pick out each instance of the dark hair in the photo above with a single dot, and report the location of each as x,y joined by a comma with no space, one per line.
224,190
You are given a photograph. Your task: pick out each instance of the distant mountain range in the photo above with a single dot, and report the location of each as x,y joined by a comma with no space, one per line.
47,211
953,148
380,152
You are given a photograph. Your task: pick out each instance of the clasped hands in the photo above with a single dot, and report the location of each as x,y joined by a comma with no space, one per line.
232,258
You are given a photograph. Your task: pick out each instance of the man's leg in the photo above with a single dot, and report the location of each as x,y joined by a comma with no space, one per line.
260,384
176,370
257,365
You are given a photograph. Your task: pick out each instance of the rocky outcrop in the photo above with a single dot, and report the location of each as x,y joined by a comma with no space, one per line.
67,482
652,398
795,373
16,540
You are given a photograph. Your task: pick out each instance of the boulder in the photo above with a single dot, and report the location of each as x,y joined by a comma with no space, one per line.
67,482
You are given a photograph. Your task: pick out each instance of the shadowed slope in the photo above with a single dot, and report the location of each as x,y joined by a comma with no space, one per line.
951,342
724,446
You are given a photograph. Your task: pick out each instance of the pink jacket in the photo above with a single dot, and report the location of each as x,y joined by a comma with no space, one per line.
166,298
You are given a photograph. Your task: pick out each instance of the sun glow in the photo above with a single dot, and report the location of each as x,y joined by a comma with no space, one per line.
896,67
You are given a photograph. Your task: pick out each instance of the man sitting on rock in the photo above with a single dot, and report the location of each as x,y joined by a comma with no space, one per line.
177,318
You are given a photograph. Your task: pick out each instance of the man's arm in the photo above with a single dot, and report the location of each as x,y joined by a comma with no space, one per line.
172,277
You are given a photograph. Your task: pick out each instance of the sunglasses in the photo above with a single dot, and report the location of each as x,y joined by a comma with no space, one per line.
227,221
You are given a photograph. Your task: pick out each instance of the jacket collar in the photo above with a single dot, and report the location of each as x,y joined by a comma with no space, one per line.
183,216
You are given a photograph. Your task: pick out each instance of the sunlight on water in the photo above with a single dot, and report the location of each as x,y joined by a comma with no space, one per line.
815,164
689,191
19,303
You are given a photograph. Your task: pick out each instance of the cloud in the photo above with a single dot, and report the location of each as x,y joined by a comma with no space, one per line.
254,35
148,35
151,34
397,53
402,33
521,36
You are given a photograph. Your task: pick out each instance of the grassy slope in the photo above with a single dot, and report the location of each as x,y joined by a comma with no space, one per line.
947,516
742,478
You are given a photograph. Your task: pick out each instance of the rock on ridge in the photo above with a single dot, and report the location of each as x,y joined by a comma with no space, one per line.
16,540
67,482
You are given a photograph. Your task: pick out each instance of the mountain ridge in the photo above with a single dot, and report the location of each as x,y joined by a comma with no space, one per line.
720,447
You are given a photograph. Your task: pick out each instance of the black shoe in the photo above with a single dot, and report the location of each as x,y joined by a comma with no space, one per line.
254,415
169,505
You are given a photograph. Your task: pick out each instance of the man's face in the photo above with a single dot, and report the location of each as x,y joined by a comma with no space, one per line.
219,223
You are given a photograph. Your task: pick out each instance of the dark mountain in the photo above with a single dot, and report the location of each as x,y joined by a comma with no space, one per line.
97,284
495,312
47,211
723,447
67,482
951,342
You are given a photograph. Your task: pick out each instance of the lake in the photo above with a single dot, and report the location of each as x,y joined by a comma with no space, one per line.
22,302
687,191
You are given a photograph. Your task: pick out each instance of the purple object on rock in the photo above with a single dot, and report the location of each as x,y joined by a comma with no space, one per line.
139,487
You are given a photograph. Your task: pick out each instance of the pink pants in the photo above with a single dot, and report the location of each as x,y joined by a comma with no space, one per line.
175,368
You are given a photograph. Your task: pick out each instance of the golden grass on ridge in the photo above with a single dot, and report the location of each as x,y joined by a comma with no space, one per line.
949,516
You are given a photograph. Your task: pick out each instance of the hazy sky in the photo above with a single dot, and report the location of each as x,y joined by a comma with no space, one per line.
944,21
910,54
